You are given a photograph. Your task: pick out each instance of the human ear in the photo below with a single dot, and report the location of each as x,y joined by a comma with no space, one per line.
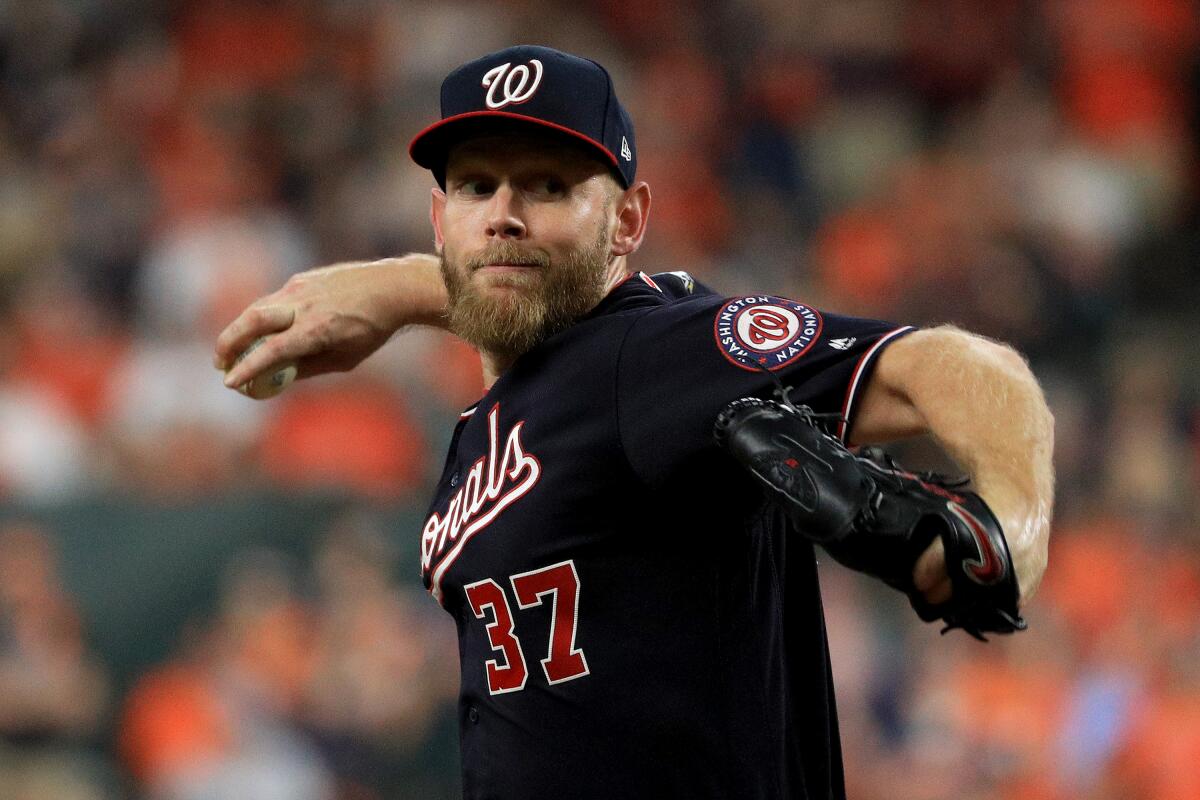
437,211
633,212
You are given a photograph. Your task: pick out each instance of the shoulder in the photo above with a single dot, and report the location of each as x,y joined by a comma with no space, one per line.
743,329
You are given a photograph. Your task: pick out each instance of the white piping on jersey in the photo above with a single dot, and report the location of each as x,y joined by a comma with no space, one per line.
859,369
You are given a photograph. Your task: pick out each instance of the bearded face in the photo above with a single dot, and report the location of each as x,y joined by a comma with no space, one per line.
509,312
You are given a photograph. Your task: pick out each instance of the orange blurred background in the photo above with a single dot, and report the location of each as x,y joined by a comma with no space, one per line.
206,597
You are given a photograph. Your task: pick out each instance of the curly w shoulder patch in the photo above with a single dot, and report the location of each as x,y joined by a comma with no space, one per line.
765,331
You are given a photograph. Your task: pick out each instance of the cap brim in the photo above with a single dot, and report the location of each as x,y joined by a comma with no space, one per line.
430,147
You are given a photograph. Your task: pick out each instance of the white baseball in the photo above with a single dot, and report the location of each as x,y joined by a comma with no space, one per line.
269,383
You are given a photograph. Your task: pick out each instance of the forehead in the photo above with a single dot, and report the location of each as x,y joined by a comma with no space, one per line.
524,150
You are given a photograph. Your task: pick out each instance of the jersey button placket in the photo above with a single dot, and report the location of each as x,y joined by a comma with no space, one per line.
473,714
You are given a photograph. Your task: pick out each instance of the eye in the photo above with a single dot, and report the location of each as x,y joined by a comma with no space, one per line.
547,186
475,187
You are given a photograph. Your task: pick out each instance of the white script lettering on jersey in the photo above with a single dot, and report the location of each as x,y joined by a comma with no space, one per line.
516,85
493,483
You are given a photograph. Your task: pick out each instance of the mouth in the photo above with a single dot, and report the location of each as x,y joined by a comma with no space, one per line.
504,267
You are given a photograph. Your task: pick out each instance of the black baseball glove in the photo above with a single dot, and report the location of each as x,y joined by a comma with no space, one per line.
873,516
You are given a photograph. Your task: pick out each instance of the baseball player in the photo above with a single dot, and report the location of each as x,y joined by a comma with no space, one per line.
624,526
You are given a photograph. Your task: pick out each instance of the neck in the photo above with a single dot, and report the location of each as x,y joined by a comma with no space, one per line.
617,270
494,365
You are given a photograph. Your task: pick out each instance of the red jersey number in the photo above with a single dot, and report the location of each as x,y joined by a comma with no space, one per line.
564,661
510,676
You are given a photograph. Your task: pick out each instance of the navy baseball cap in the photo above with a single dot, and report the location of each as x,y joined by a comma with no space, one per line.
530,85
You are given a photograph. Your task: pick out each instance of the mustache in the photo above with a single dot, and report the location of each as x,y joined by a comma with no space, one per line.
510,254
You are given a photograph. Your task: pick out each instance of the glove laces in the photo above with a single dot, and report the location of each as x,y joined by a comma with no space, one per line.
827,419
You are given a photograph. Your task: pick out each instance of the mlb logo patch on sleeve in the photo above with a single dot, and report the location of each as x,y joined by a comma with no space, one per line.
765,331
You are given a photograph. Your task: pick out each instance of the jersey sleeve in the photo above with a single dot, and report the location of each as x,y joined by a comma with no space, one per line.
681,363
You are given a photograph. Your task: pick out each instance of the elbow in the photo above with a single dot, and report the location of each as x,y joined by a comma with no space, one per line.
1007,366
973,346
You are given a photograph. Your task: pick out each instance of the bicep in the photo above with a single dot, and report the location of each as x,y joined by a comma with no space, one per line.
886,410
920,382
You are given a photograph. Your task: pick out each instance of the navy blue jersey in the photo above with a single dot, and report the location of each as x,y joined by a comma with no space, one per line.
633,619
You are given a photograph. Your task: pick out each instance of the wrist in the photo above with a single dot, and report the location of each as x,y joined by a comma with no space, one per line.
1024,517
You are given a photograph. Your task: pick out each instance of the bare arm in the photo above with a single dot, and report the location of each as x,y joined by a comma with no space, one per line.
330,319
980,402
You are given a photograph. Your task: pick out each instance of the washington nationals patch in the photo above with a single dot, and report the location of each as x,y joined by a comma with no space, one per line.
765,331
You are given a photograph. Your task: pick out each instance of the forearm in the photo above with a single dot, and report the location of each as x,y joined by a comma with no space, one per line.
409,289
982,404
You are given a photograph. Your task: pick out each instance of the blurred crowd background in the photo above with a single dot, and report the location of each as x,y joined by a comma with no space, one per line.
203,597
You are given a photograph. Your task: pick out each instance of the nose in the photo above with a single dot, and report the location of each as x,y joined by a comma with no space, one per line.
504,219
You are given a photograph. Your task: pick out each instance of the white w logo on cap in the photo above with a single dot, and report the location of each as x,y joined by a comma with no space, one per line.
516,85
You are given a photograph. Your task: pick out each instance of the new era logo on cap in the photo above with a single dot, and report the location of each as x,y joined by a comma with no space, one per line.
537,86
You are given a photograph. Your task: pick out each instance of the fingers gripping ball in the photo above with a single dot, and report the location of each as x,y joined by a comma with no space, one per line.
270,382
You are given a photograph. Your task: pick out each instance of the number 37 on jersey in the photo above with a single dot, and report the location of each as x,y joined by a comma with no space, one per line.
489,601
